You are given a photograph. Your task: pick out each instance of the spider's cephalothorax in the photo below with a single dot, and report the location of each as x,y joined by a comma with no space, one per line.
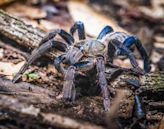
86,54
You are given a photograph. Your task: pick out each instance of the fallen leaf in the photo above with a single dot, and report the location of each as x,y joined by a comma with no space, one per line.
22,10
94,21
2,2
9,69
157,10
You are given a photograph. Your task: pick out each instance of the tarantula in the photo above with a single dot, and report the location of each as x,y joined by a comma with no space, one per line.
86,54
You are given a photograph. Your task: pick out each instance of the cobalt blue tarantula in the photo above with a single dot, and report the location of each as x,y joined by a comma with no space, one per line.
86,54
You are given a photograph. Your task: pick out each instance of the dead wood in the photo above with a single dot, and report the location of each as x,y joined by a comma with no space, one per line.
11,48
20,32
21,112
27,92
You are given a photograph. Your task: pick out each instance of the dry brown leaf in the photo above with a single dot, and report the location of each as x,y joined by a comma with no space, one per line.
21,10
94,21
155,57
9,69
157,10
5,1
159,39
162,124
48,25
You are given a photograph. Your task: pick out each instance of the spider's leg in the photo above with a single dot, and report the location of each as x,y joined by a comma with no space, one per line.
81,30
133,40
138,111
105,31
66,36
103,82
57,62
85,65
36,53
123,50
69,91
111,52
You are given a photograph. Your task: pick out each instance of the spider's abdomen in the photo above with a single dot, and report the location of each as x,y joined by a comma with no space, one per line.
120,36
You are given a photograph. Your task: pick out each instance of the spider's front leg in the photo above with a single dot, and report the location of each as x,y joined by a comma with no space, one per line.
100,65
138,111
69,91
66,36
133,40
45,44
81,30
38,52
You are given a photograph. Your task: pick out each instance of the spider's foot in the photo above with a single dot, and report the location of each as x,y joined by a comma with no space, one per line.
69,93
16,78
138,70
106,103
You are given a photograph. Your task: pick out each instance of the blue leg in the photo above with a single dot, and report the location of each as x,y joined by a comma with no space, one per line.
81,30
116,48
105,31
66,36
133,40
138,112
111,52
57,62
125,51
85,65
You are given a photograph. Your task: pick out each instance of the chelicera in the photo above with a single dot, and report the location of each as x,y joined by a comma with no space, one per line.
86,54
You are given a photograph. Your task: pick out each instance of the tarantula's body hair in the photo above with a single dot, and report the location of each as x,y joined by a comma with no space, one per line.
119,36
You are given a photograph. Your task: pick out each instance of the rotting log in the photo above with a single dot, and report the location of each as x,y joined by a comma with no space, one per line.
21,112
32,94
18,31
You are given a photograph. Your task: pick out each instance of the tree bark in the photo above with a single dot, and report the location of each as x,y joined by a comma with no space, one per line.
20,32
21,112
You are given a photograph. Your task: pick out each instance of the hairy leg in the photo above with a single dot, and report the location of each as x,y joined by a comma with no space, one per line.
133,40
69,91
105,31
57,62
66,36
139,113
103,82
81,30
38,52
132,59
